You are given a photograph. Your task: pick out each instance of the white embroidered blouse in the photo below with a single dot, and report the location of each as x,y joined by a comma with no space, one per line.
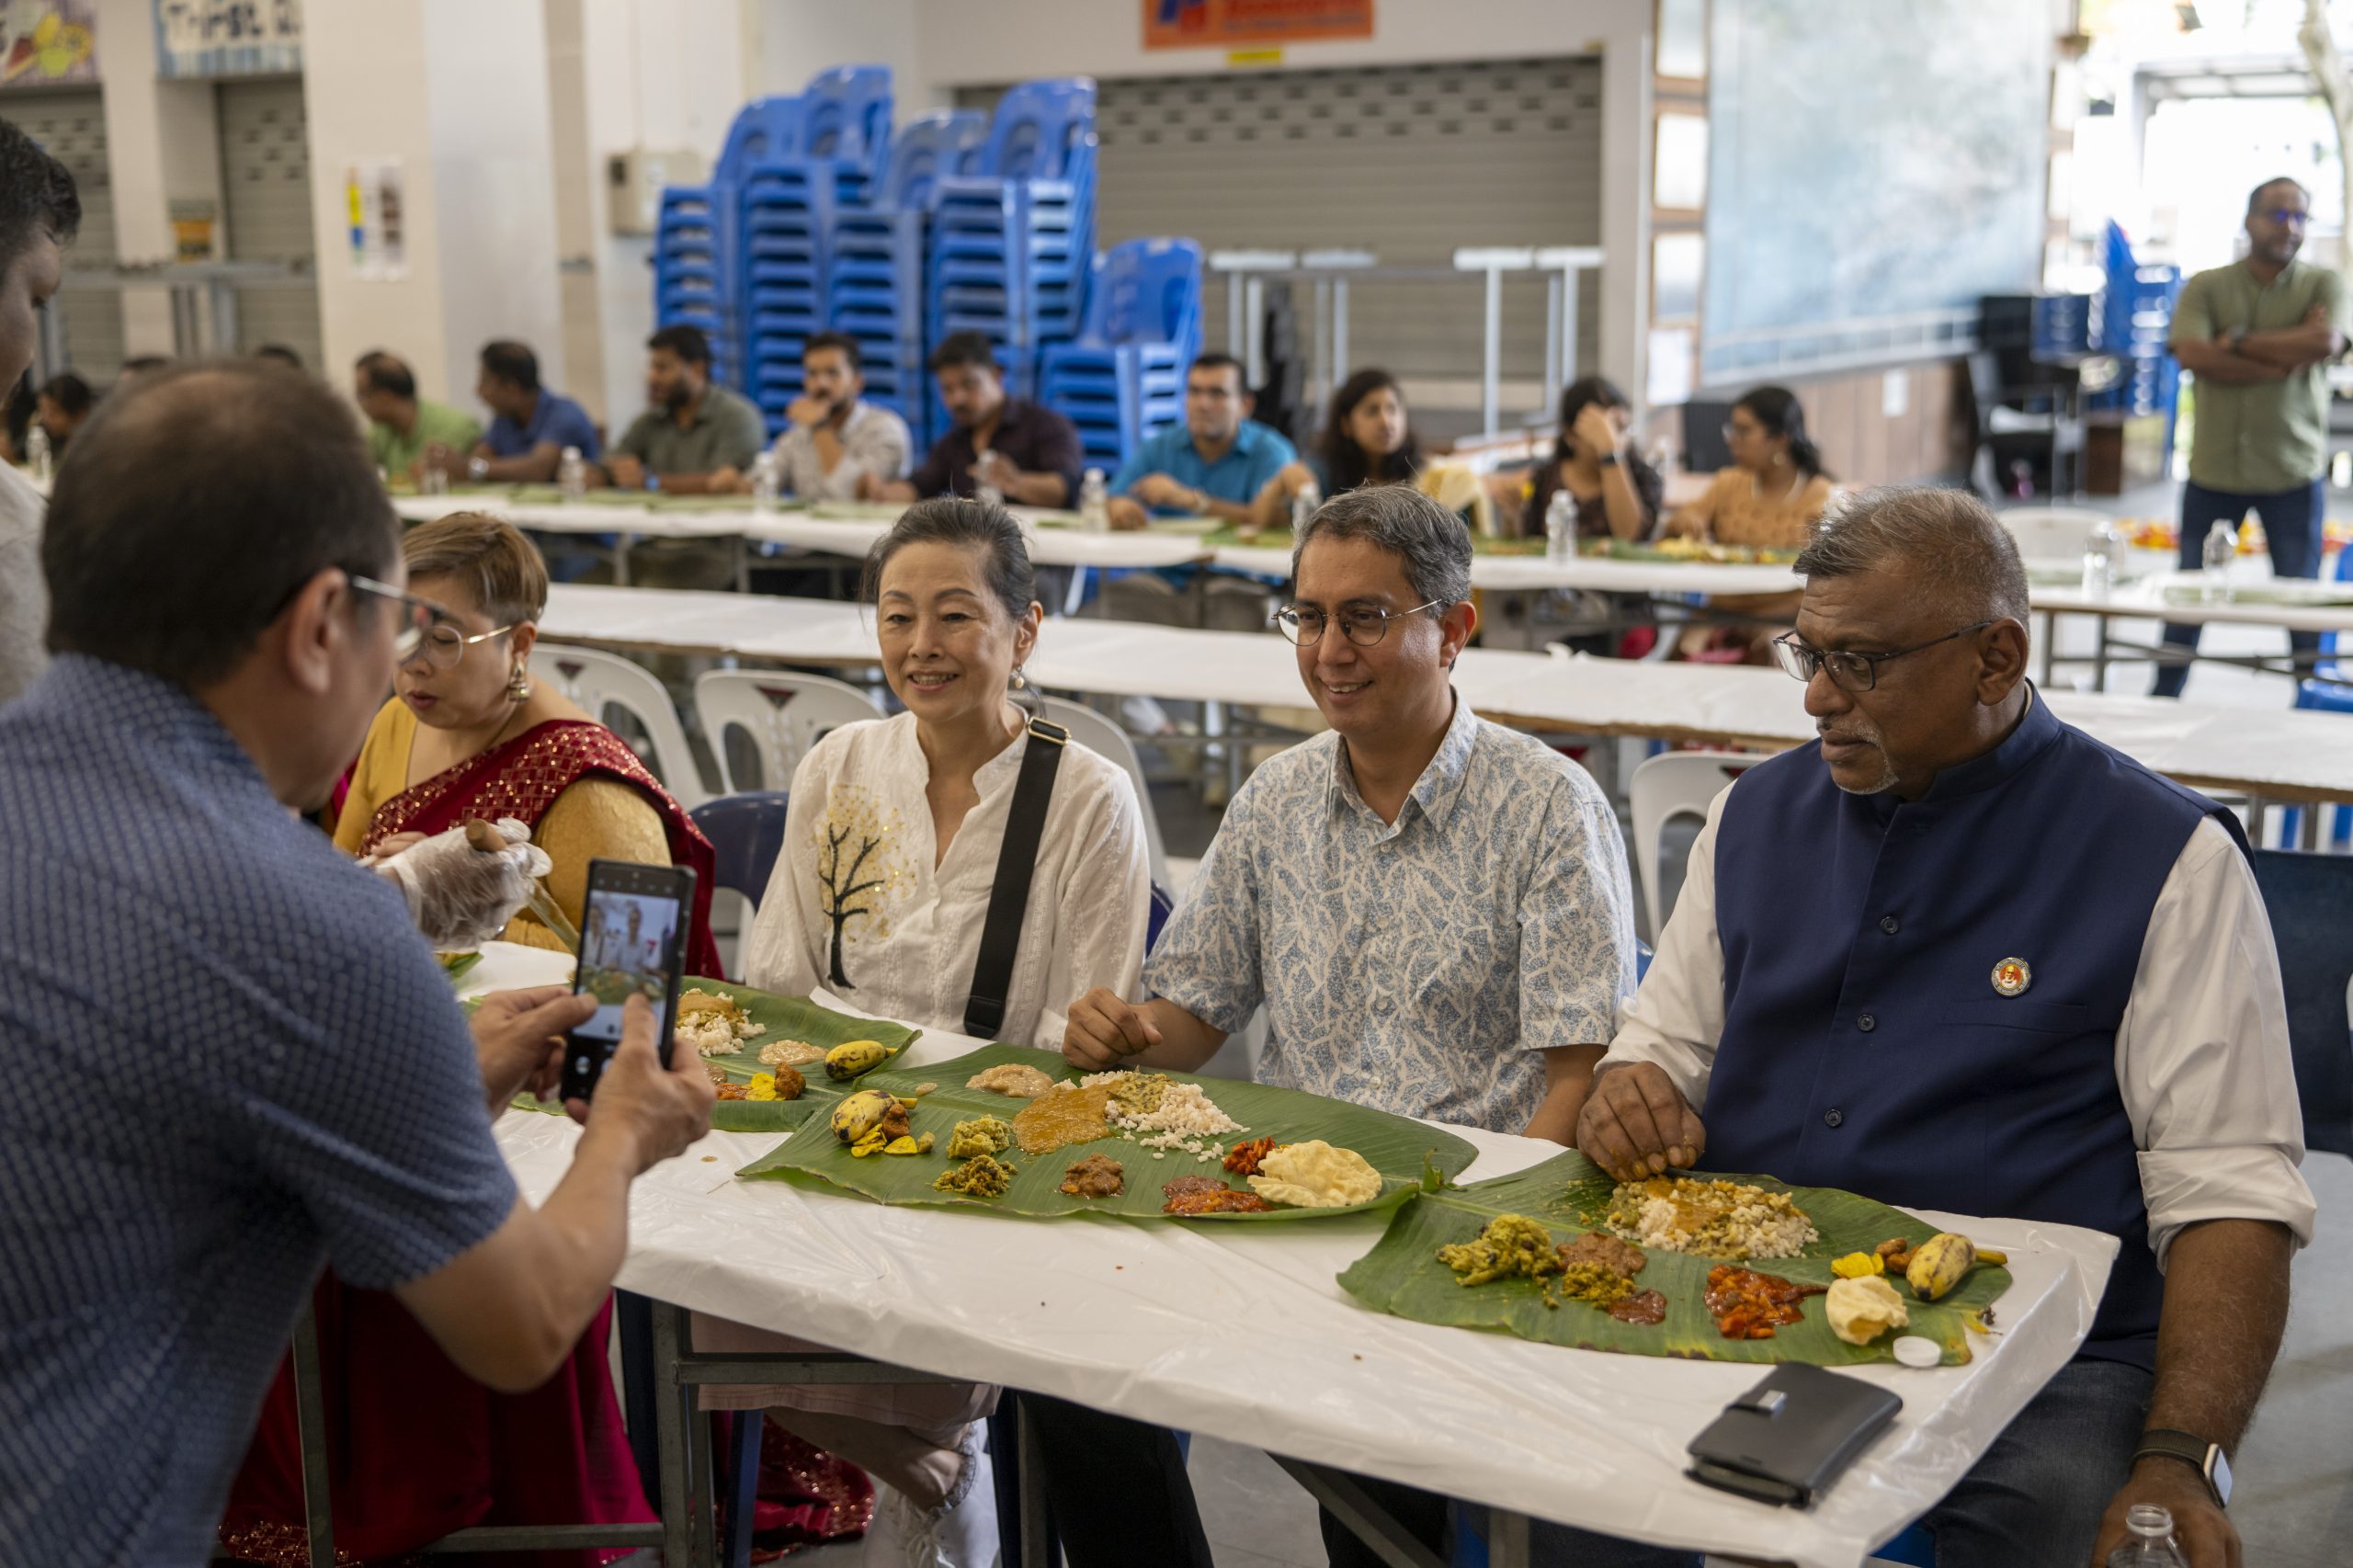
857,907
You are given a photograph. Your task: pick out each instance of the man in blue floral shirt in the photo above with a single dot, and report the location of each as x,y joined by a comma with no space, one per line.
1433,909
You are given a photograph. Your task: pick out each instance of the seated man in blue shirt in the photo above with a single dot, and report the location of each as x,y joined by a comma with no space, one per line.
226,614
1213,465
1962,956
531,425
1434,910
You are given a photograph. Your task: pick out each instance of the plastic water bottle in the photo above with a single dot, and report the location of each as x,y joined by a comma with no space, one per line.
766,480
2149,1543
1303,502
2222,544
1094,504
432,480
2100,551
1560,530
37,454
572,474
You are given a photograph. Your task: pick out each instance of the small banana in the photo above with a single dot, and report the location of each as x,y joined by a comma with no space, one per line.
860,1115
852,1058
1938,1263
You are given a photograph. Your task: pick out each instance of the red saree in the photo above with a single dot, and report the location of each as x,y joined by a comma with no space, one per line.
416,1448
522,779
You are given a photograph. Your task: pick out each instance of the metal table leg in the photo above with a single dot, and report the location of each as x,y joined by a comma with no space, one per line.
2099,653
310,1419
670,1395
742,564
1076,594
1507,1539
1383,1536
621,560
2050,642
1036,1533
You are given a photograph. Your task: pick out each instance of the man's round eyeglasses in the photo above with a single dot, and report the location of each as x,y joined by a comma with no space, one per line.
1363,625
1854,672
425,628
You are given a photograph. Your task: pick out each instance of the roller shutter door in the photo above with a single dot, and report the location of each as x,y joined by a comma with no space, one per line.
1409,162
266,183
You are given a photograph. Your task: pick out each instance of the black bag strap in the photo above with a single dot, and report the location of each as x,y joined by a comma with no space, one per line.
1016,861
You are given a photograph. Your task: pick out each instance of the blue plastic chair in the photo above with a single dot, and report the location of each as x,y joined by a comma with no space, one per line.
2330,689
747,833
1124,378
846,117
2306,897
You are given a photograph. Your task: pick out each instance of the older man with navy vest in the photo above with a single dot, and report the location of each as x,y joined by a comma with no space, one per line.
1963,957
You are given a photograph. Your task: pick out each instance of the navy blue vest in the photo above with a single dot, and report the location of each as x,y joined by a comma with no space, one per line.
1865,1046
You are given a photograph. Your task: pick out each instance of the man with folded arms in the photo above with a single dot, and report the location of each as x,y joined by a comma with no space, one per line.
1434,910
231,1058
1962,956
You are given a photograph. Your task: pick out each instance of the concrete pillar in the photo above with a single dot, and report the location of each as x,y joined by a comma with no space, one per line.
162,146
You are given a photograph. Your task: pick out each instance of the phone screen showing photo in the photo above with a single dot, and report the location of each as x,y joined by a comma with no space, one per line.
629,942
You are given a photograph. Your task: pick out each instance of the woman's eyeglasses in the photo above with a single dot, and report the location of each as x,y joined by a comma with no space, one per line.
426,629
1363,625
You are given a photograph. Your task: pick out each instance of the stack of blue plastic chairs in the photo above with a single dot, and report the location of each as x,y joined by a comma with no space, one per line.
1012,240
1124,378
2136,313
788,198
874,261
698,239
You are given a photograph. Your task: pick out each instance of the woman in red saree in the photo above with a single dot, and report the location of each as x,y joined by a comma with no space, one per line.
418,1449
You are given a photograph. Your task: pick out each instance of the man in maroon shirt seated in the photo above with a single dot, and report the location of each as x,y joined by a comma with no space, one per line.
1026,452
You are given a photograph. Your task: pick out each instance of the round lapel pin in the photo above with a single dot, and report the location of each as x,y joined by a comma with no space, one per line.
2012,976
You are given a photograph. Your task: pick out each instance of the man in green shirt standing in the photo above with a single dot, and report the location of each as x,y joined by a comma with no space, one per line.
2258,336
698,437
400,425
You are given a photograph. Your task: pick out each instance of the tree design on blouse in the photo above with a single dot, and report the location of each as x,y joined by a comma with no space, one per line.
858,864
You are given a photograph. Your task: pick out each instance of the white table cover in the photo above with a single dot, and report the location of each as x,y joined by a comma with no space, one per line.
1242,1332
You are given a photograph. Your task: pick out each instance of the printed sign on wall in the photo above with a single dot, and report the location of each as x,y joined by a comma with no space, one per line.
43,42
1247,24
227,38
371,200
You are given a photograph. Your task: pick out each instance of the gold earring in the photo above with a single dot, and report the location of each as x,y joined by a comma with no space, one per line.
519,688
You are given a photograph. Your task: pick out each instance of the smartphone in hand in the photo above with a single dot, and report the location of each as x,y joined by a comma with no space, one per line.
633,933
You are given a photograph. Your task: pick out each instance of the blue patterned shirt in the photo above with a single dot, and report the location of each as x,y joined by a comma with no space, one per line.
1417,968
228,1058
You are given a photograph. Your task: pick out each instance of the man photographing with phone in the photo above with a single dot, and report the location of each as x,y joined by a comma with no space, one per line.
295,1086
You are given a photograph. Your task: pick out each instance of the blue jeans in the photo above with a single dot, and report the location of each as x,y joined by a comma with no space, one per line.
2034,1501
2292,527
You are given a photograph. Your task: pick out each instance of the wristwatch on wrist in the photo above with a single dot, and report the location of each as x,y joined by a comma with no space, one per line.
477,469
2207,1459
2239,336
1608,459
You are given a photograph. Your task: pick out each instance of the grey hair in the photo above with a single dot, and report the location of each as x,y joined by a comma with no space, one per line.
1430,541
1946,542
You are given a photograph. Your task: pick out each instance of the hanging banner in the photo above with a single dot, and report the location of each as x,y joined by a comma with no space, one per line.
227,38
1247,23
371,200
46,42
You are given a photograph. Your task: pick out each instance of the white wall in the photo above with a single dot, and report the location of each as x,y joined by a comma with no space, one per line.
794,40
995,41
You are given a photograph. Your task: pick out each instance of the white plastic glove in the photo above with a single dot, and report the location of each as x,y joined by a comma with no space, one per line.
461,896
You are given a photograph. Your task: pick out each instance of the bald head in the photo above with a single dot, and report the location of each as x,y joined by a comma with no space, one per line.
1951,550
194,503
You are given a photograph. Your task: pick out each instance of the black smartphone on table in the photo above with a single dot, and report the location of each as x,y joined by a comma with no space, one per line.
633,932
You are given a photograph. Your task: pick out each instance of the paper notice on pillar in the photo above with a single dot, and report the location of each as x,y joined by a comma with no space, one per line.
1669,361
373,207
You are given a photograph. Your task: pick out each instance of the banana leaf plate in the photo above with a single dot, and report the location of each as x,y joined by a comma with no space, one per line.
1401,1150
1567,1195
787,1018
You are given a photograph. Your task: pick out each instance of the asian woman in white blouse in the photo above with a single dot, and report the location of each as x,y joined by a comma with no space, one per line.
891,849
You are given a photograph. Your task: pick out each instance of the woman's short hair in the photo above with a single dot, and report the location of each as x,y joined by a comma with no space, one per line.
501,568
1346,463
975,525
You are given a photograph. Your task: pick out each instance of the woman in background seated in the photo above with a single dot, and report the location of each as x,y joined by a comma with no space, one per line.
1767,500
1775,487
419,1449
1366,440
469,733
1612,492
891,850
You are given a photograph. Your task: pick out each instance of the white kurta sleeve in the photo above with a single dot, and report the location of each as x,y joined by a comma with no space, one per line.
2202,1058
1677,1017
787,955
